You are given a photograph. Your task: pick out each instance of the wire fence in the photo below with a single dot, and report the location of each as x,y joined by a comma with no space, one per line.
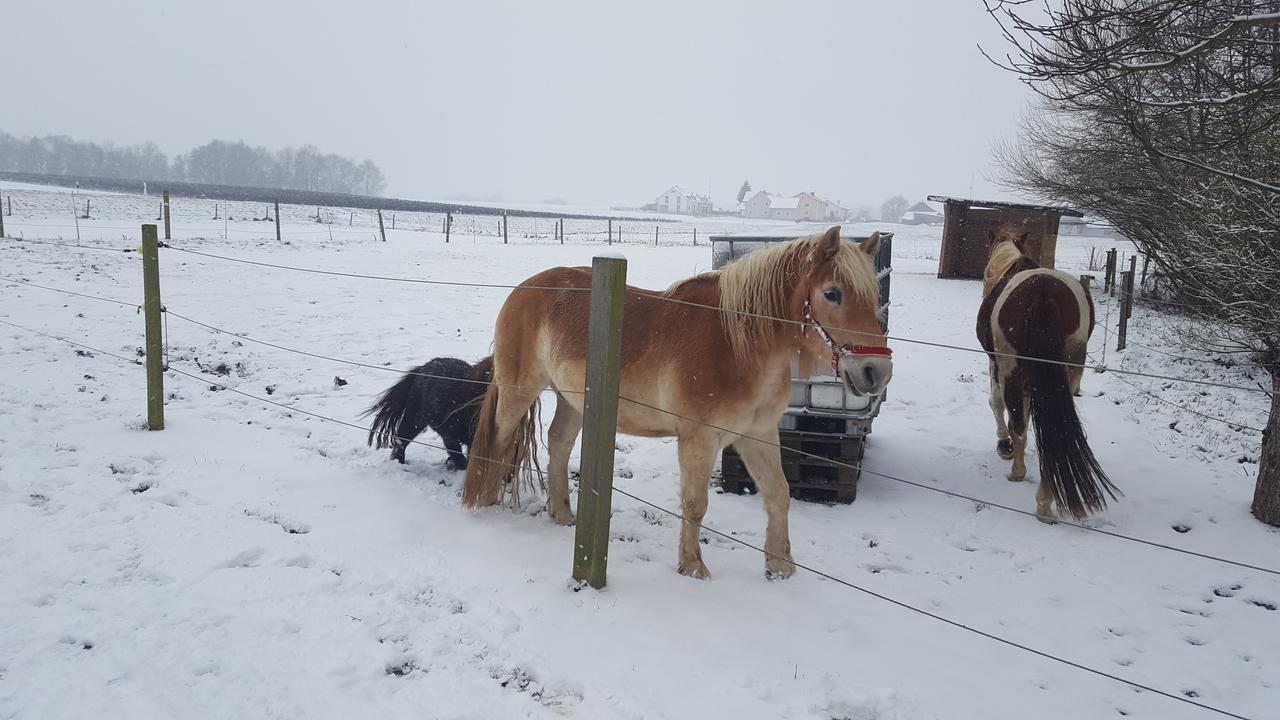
731,537
664,298
795,451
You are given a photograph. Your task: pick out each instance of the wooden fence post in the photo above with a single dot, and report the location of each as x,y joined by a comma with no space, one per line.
560,230
381,230
611,231
504,227
1126,301
1133,273
167,236
1085,280
151,310
277,221
695,236
1109,281
1,225
600,419
448,226
655,236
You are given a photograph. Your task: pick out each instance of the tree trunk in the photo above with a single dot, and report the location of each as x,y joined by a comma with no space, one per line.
1266,496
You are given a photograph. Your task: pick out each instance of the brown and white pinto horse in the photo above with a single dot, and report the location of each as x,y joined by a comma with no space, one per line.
1034,312
722,365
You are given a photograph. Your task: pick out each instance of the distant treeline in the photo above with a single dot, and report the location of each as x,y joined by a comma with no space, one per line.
217,163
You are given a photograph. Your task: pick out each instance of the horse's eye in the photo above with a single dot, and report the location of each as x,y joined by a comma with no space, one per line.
832,295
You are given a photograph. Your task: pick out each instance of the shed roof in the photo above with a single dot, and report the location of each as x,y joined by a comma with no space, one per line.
1001,204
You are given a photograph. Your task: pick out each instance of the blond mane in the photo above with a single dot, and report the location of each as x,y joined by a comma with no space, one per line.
759,283
1004,255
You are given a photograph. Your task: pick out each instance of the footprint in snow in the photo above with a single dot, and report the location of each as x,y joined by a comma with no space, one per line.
1226,591
292,527
246,558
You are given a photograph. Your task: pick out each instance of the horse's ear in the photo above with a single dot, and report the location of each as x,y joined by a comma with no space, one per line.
829,244
1021,242
871,245
991,236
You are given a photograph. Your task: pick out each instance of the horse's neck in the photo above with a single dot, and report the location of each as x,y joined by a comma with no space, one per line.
780,341
991,281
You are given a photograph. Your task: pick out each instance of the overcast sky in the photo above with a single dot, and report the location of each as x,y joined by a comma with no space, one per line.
593,102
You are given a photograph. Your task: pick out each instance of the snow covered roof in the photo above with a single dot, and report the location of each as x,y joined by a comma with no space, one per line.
681,191
785,203
922,207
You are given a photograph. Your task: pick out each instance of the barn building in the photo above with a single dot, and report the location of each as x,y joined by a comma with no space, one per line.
967,227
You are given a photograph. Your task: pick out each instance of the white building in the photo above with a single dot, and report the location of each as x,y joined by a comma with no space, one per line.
676,200
922,213
801,206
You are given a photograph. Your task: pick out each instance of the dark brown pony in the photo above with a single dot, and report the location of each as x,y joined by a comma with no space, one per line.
1034,312
720,364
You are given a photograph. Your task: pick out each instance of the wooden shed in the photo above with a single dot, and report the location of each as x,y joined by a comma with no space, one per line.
967,226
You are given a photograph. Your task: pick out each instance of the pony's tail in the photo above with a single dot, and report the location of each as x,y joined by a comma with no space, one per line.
396,416
496,465
1066,462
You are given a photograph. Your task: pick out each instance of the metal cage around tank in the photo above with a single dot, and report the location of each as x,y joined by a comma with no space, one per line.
823,418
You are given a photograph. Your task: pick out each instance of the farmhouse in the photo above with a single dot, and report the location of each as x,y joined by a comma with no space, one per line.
922,213
801,206
677,200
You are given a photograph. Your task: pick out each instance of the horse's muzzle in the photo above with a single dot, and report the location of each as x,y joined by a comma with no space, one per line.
866,374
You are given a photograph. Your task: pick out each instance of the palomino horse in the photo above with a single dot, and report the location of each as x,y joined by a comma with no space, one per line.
1033,312
720,361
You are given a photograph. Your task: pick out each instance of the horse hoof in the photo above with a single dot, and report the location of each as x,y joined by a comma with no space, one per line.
775,569
1004,448
563,518
1017,478
1046,518
697,571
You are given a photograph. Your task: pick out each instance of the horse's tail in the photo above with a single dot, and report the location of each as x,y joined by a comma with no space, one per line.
493,461
1066,461
396,413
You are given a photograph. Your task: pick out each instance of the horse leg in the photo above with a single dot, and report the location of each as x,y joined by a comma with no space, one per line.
1044,502
1004,446
1074,353
561,436
764,462
697,454
456,460
1016,402
509,418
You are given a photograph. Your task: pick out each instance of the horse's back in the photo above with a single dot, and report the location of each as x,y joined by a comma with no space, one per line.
1004,312
557,301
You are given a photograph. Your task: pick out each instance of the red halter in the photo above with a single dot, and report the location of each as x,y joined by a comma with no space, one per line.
839,351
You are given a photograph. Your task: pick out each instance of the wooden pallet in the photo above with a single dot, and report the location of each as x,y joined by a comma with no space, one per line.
810,478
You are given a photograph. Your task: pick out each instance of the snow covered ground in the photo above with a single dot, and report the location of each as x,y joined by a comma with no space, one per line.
252,561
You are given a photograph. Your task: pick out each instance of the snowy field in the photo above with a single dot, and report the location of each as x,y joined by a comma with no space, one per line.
253,561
